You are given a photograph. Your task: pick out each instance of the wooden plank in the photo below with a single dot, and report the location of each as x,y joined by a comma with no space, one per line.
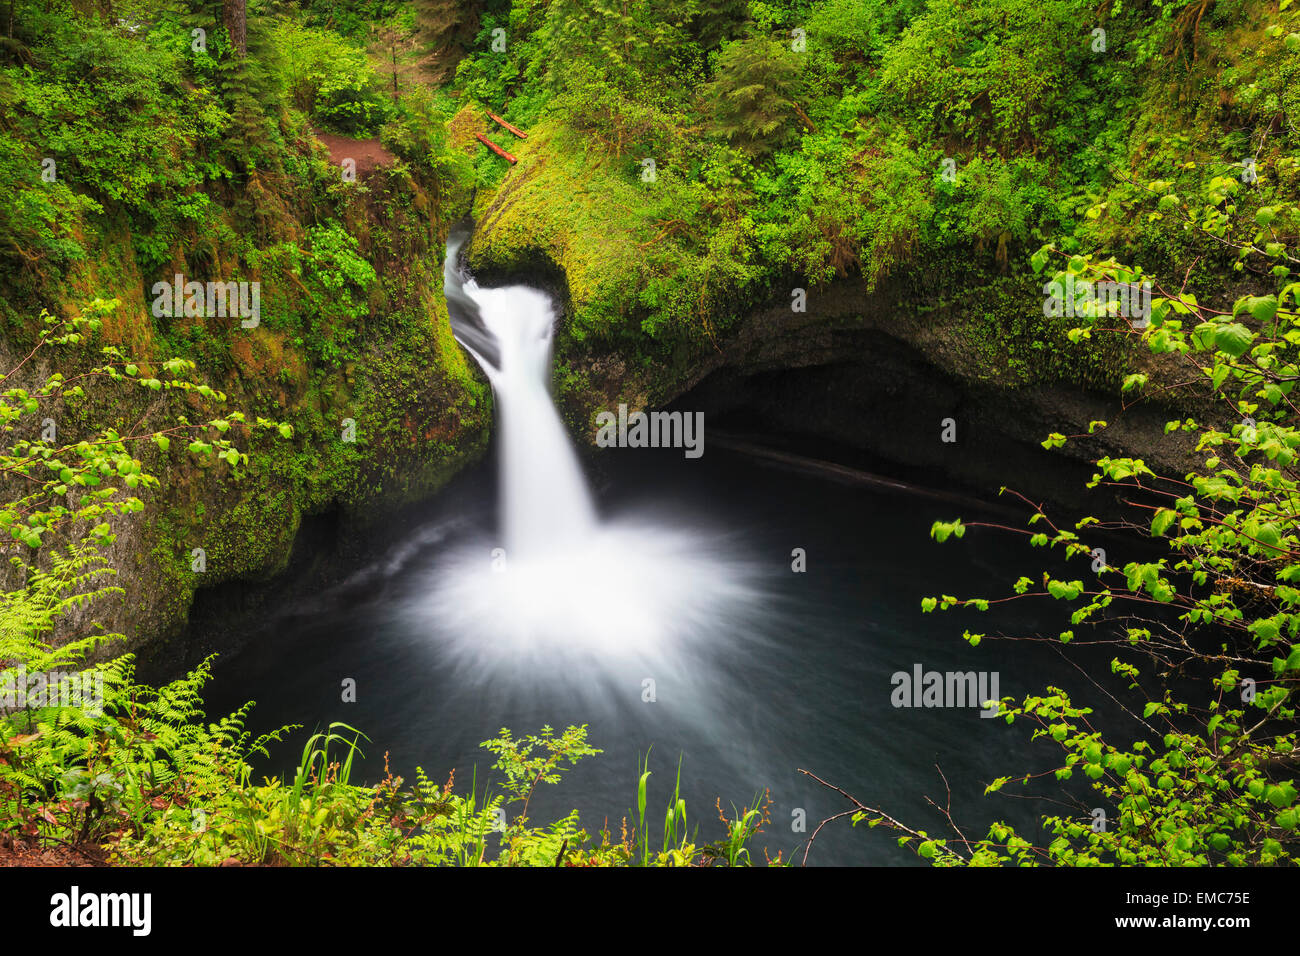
500,122
495,148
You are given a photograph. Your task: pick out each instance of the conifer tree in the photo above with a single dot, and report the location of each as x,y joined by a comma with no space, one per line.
754,97
445,29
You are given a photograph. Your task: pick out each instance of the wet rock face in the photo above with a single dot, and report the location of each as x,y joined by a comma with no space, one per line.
877,382
899,413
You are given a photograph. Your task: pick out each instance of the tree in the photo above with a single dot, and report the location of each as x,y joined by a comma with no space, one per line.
753,100
234,14
445,29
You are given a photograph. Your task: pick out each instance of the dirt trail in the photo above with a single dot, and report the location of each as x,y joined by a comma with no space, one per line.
368,154
22,853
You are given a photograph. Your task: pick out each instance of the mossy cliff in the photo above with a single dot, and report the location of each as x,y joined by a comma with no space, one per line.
157,173
384,422
883,362
870,197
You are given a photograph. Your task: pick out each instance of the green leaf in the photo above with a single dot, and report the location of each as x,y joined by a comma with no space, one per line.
1234,339
1291,663
1263,308
1268,534
941,530
1065,590
1280,796
1162,521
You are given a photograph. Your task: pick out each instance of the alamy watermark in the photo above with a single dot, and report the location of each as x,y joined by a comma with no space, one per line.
922,688
1080,298
210,299
651,430
20,690
128,910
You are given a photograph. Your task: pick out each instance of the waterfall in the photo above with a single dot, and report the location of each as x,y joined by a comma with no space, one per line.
545,503
566,583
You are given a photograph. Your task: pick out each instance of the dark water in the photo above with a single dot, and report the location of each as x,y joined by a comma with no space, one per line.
806,685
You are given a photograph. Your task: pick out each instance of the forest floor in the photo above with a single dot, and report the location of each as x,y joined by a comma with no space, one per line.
368,154
16,852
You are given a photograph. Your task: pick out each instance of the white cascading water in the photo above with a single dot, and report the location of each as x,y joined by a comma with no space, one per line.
544,499
569,587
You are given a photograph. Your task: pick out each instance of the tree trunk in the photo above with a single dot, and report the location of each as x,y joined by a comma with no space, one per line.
500,122
235,14
495,148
